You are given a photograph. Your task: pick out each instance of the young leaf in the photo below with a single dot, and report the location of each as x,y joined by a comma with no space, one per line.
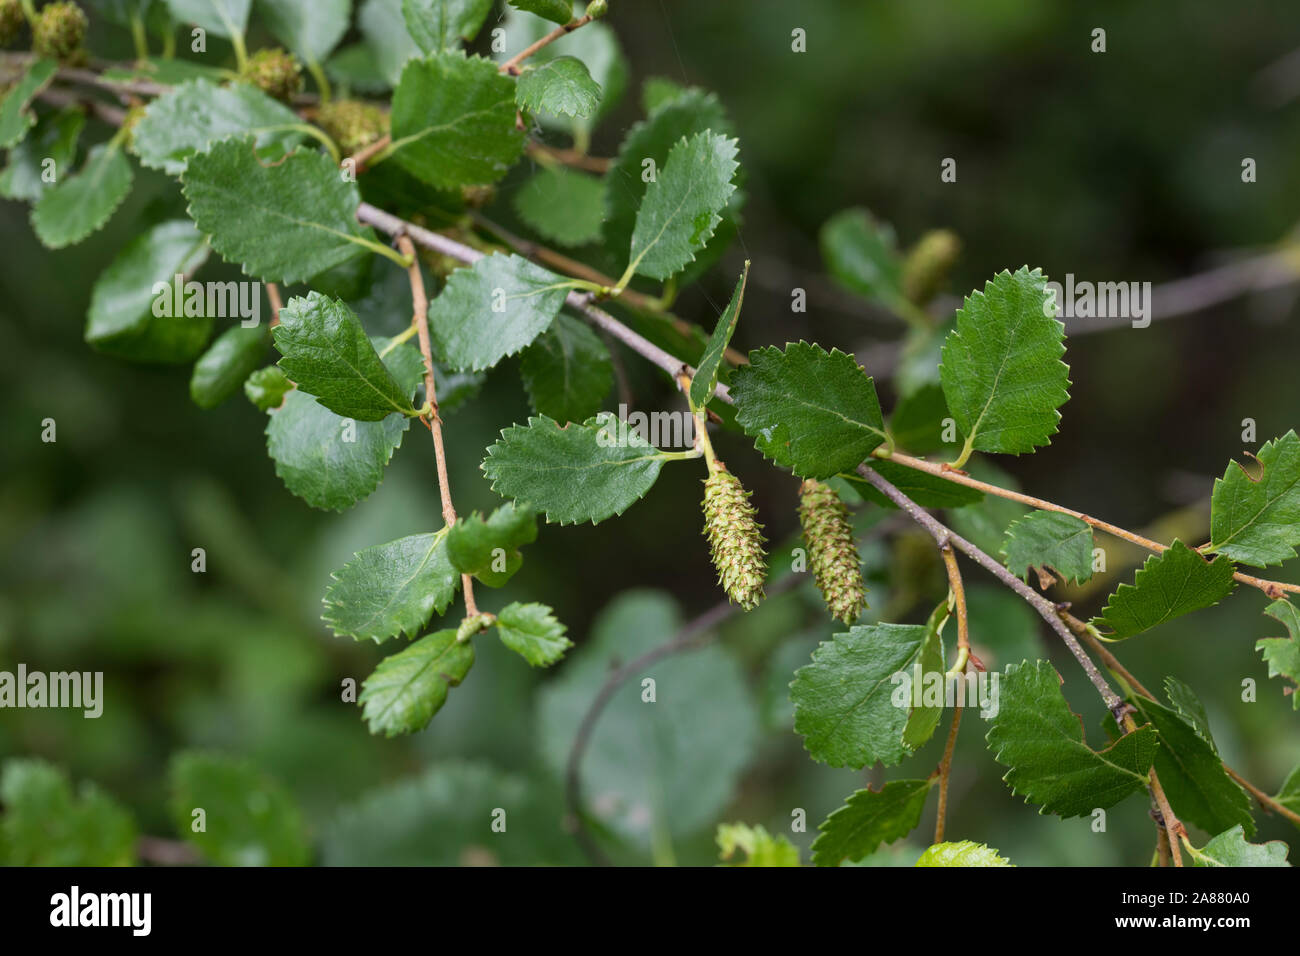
567,371
409,687
557,11
923,718
965,853
1190,708
332,462
868,819
1282,654
1049,539
327,353
563,205
759,846
55,139
532,632
283,223
251,820
813,412
1192,775
310,28
1231,849
15,117
454,121
1041,741
46,824
437,25
1289,795
391,589
706,375
843,701
473,543
267,387
561,86
861,254
1169,585
189,118
221,370
121,320
84,202
225,18
1002,372
1257,521
683,205
493,309
650,142
584,472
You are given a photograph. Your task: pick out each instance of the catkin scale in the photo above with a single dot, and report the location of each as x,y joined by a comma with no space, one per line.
832,554
734,538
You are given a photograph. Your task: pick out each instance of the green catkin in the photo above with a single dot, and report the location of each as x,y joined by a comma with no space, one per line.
59,30
12,20
734,538
928,264
352,124
275,72
831,552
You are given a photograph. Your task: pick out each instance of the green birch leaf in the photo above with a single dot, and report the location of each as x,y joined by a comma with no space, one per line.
267,387
377,64
121,320
251,819
46,823
1190,708
1257,522
409,687
563,205
1169,585
189,118
868,819
683,206
283,223
561,86
928,491
454,121
310,28
706,374
437,25
55,139
225,18
557,11
965,853
657,91
532,632
326,352
1192,775
1001,371
574,473
221,370
1051,540
1282,654
759,846
844,704
650,142
81,204
923,718
811,411
861,254
473,543
1231,849
567,371
15,117
329,461
1289,795
917,422
391,589
1035,734
506,294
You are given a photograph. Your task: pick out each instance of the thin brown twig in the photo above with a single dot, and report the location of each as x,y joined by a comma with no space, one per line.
939,470
273,297
511,66
367,153
420,307
570,157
